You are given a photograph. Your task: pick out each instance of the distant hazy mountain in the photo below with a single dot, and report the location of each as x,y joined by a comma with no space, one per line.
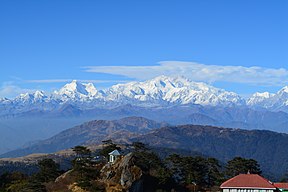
19,131
92,132
267,147
175,100
39,124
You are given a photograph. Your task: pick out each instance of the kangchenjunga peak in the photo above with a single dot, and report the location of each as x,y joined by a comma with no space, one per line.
77,89
159,91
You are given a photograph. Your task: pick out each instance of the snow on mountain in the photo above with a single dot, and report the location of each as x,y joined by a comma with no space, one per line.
37,96
171,90
283,92
280,100
259,99
160,91
4,101
76,91
274,102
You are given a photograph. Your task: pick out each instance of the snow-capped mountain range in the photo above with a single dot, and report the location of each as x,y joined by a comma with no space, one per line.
275,102
160,91
165,90
175,100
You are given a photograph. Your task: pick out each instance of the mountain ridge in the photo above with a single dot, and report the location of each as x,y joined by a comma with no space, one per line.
91,132
160,91
267,147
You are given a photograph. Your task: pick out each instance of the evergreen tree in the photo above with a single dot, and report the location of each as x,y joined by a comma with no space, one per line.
84,168
139,146
284,178
34,186
155,173
241,165
82,152
214,175
8,180
48,170
195,170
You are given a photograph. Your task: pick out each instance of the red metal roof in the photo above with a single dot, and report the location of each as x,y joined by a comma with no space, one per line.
281,185
248,181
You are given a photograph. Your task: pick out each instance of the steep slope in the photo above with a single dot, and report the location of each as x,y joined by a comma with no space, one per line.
273,102
280,100
36,97
92,132
267,147
260,100
165,90
75,91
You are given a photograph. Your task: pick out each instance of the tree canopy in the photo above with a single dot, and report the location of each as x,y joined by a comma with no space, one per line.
239,165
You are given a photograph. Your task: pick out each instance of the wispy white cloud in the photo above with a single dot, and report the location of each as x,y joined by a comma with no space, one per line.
69,80
10,90
48,80
200,72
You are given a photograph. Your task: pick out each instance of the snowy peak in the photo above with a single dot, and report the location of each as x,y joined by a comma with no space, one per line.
4,100
172,90
258,98
90,89
168,82
76,90
264,95
274,102
284,90
37,96
159,91
72,88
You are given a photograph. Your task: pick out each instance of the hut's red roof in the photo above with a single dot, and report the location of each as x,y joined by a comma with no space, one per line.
281,185
248,181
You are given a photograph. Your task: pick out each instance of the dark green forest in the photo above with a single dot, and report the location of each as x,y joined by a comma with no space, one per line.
175,172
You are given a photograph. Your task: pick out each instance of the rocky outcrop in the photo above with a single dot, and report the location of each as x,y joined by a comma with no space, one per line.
74,188
121,175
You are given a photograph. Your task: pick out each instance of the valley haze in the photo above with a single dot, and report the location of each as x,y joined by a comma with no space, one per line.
175,100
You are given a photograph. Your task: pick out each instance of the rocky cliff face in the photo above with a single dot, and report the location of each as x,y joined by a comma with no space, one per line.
121,175
117,177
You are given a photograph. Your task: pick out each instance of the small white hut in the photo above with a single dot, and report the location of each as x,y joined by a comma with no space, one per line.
113,156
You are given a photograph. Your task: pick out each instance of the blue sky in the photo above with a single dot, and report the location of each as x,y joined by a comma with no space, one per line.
239,45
